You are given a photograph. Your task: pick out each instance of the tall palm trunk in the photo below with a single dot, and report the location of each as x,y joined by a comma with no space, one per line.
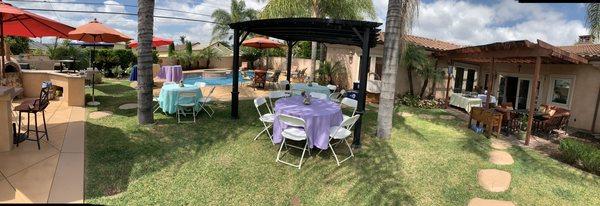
391,58
145,81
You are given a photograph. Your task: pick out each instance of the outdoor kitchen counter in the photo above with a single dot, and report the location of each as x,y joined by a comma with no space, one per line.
73,85
5,119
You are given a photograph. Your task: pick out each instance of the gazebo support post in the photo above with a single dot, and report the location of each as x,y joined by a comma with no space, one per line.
490,84
290,45
235,73
362,78
533,97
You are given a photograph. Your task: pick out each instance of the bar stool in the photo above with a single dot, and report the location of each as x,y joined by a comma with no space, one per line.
34,107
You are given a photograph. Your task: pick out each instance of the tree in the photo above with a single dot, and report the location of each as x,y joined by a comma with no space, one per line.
209,53
171,50
398,21
18,45
145,59
429,73
182,39
593,19
238,13
415,58
336,9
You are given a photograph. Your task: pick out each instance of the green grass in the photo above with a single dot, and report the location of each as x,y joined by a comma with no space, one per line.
215,161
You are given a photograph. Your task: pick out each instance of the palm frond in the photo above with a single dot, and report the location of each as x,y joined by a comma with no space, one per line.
593,18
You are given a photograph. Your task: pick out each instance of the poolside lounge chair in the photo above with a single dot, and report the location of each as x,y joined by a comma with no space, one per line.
274,78
296,131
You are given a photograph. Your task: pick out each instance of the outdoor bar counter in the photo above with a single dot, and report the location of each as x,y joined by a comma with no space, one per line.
6,142
73,85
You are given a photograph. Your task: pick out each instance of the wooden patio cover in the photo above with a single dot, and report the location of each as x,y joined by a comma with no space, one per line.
517,52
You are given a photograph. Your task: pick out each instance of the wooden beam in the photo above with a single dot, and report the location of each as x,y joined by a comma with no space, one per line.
490,85
499,54
533,98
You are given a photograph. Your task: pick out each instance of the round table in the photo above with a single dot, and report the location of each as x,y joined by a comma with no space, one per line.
298,87
170,93
319,117
171,73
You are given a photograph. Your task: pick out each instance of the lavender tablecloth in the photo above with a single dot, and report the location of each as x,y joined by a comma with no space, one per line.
171,73
319,117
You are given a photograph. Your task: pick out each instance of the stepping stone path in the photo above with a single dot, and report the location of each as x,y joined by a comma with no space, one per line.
426,116
494,180
447,117
128,106
501,158
405,114
486,202
100,114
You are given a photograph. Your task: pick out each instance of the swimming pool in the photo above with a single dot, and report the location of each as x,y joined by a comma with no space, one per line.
212,81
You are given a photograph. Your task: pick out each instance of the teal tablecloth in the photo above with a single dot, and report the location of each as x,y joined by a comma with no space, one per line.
299,87
170,93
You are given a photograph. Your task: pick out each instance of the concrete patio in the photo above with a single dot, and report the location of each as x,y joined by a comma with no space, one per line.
56,172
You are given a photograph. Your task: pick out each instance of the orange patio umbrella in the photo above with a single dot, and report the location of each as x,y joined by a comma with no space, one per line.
18,22
261,43
95,32
156,42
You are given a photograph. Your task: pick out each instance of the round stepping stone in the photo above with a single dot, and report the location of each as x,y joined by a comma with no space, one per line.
485,202
128,106
501,158
100,114
494,180
447,117
426,116
500,144
405,114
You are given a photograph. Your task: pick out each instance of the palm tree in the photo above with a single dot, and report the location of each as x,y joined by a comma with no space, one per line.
238,13
209,53
415,58
336,9
145,82
593,19
399,19
182,39
429,72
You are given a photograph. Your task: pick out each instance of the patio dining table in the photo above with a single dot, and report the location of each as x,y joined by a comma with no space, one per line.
171,73
170,93
458,100
319,116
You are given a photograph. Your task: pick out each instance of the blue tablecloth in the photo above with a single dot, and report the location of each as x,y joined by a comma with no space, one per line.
299,87
170,93
133,75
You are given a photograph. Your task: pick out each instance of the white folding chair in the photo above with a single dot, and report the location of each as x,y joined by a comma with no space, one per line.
347,102
341,133
273,96
335,97
332,87
267,118
206,101
295,132
282,84
186,101
319,95
156,106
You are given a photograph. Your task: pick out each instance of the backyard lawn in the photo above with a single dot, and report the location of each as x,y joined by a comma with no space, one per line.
215,161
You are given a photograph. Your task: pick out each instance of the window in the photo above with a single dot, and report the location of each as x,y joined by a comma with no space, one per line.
560,91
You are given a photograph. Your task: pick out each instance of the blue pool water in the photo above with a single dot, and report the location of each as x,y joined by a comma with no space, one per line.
212,81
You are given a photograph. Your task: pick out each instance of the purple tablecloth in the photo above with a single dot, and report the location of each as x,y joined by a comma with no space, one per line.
319,117
171,73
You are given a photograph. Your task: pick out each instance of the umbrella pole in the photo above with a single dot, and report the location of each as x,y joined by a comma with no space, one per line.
93,102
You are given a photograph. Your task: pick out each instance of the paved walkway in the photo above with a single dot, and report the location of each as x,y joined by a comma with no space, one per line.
54,174
494,180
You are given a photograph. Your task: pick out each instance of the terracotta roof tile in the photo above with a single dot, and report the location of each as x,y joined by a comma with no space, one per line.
584,50
431,44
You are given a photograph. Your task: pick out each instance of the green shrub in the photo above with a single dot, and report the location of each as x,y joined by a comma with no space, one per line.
416,101
574,151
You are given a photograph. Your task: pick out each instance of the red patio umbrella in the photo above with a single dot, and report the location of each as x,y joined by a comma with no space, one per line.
261,43
95,32
18,22
156,42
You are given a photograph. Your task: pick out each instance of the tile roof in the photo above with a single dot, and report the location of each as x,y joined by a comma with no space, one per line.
584,50
430,44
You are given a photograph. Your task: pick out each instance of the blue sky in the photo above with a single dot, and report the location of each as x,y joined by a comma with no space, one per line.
466,22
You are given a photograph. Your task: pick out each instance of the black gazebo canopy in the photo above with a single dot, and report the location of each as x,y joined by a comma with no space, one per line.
347,32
